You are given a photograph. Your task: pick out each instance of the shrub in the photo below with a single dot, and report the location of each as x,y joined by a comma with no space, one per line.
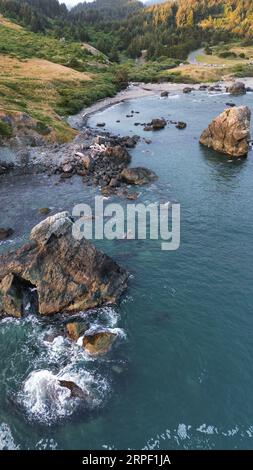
5,129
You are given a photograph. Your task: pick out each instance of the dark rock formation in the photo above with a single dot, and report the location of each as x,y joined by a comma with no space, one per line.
229,133
155,125
158,124
138,175
187,90
181,125
5,233
76,391
238,88
44,210
69,275
76,328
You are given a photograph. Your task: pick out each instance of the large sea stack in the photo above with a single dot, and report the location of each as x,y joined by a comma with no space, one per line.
67,275
229,133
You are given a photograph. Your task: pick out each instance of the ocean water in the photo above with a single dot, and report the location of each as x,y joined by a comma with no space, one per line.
181,374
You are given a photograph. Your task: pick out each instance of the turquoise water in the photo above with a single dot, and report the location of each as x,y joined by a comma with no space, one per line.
182,377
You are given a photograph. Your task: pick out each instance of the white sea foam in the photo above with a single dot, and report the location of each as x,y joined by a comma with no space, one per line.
173,97
40,395
46,444
6,439
46,401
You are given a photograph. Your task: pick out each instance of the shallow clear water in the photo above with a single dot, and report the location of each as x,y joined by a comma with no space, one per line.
183,376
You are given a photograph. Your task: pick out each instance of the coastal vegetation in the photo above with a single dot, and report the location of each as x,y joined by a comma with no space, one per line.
55,61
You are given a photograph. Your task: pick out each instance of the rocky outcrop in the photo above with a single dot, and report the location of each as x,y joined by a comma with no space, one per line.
76,328
138,175
229,133
20,127
99,343
5,233
237,89
11,296
68,275
155,125
76,391
158,124
117,155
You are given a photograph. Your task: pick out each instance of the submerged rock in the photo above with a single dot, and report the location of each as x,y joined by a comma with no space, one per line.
99,343
181,125
138,175
69,275
132,196
229,133
5,233
44,210
238,88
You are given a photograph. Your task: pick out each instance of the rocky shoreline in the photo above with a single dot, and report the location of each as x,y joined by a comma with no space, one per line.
57,275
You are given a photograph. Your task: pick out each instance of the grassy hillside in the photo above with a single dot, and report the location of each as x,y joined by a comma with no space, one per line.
48,78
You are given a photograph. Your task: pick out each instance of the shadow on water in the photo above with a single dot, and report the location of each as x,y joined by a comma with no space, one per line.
224,167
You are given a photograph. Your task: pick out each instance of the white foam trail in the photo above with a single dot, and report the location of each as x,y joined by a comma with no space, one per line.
6,439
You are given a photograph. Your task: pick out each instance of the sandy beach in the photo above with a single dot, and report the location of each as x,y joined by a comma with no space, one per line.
139,90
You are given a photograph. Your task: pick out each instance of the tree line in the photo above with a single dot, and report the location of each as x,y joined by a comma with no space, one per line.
126,28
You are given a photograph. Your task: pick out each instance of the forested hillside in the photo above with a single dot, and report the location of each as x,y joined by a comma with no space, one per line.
103,10
174,28
169,29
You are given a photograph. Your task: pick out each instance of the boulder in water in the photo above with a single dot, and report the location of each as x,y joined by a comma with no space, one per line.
76,328
229,133
69,275
76,391
5,233
188,90
238,88
138,175
181,125
99,343
44,210
158,124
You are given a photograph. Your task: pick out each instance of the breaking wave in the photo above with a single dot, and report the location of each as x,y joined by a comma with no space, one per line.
6,439
48,357
47,402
